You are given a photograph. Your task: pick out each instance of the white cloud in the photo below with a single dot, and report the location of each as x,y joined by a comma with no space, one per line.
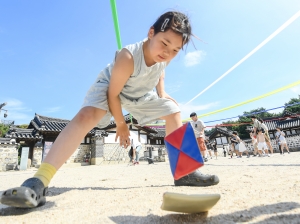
193,58
52,110
296,89
186,110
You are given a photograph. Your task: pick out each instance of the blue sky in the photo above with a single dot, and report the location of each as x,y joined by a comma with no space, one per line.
52,51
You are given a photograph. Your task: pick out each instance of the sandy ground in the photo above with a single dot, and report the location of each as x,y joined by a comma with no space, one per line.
254,190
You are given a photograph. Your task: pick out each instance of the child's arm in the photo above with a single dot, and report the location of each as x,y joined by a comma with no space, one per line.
122,70
160,88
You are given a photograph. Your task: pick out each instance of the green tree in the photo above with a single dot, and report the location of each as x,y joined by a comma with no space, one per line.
208,132
3,130
293,109
23,126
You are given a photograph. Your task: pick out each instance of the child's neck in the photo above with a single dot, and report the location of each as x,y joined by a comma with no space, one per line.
148,59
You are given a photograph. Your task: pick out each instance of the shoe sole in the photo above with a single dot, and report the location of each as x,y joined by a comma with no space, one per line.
21,197
198,183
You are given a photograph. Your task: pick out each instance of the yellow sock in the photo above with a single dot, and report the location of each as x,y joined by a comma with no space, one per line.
45,173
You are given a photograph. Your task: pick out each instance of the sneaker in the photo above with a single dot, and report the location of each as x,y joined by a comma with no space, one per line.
288,152
268,155
31,194
248,156
205,159
254,155
197,179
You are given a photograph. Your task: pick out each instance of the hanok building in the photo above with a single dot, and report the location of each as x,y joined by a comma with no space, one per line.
96,146
288,122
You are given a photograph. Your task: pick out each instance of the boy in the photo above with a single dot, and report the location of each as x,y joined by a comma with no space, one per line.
199,127
262,142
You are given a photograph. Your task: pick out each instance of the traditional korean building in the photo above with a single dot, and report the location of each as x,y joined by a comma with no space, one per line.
96,146
288,122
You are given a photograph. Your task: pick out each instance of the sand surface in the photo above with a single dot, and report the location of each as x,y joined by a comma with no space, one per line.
254,190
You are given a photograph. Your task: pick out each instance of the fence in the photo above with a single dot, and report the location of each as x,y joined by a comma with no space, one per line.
292,142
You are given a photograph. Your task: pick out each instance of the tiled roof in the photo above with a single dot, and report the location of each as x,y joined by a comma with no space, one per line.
160,133
21,133
5,141
49,124
43,123
127,119
283,124
220,130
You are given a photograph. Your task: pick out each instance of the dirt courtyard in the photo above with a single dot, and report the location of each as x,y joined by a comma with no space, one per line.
253,190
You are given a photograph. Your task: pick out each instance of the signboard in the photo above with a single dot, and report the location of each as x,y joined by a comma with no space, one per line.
47,147
24,158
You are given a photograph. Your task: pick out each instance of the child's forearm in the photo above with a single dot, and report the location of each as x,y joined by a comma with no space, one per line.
116,109
160,87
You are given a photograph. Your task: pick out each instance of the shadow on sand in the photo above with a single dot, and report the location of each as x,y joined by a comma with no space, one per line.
234,217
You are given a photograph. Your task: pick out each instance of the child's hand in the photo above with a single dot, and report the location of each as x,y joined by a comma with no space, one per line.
123,133
165,95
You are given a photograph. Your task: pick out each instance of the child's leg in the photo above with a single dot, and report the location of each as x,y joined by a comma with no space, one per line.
33,191
286,147
173,122
71,136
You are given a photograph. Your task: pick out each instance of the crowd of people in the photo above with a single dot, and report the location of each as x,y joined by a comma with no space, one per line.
259,136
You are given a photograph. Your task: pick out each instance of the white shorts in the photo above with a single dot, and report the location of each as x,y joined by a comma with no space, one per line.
145,109
262,145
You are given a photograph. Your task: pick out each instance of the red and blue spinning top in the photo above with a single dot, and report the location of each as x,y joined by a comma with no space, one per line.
183,151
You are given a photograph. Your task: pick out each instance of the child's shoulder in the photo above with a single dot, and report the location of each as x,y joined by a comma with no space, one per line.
134,48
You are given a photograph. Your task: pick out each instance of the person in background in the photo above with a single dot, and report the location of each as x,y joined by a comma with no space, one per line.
267,136
256,125
240,146
235,144
199,127
224,151
214,145
209,147
262,142
282,141
254,143
136,149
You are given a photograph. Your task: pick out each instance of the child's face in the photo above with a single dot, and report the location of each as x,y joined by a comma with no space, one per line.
164,46
194,118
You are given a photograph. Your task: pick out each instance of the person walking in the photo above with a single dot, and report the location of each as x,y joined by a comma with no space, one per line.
280,137
199,128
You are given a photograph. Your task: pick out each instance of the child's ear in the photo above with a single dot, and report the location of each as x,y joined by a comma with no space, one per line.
151,33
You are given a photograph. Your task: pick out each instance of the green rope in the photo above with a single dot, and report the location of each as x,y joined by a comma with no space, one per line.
116,22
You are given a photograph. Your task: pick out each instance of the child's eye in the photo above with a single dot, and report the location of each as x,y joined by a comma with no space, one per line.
164,43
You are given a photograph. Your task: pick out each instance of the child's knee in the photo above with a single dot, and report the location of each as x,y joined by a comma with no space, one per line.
88,114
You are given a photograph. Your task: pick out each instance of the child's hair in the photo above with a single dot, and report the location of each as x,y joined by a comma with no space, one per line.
234,132
177,22
193,114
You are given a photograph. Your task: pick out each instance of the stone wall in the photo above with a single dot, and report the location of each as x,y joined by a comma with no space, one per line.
78,155
37,157
8,156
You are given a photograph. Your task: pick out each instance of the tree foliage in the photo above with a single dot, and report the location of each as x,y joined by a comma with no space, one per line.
23,126
293,109
3,130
